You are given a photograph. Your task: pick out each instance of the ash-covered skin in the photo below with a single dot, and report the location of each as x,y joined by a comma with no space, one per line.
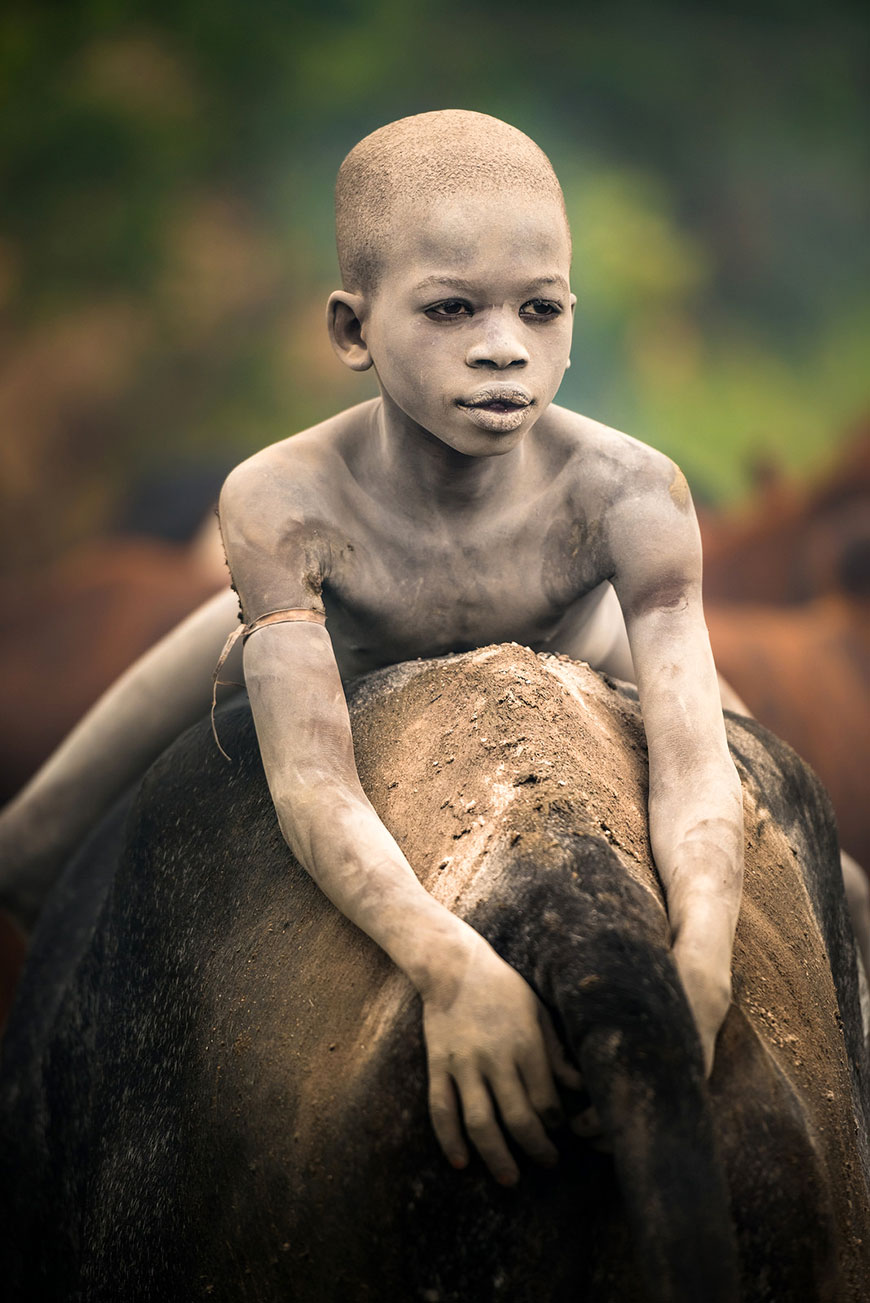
214,1086
460,508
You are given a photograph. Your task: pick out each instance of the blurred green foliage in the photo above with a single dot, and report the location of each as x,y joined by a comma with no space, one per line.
166,230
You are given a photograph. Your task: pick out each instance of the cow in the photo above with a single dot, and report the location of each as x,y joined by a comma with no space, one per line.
213,1085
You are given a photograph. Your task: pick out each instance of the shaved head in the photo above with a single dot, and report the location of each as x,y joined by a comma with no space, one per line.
421,159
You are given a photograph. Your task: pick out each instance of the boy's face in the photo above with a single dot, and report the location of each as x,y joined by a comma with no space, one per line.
469,328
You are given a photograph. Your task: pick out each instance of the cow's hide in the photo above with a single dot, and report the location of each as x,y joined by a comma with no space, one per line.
214,1085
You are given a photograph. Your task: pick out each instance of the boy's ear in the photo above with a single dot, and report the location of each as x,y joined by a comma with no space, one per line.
344,318
573,302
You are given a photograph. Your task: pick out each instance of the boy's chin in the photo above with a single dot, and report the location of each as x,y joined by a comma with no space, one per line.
478,433
481,443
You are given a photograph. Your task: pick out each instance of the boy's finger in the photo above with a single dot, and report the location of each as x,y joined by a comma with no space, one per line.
537,1078
562,1069
484,1132
708,990
521,1120
445,1119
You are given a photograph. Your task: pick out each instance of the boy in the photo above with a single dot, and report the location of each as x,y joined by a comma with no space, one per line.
458,509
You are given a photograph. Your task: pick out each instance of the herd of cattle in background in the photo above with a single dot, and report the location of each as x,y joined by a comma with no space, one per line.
787,585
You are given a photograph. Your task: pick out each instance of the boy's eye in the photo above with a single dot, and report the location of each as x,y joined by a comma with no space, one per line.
449,309
540,309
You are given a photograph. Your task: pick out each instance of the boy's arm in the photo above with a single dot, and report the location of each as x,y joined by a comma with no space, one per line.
695,802
161,694
482,1023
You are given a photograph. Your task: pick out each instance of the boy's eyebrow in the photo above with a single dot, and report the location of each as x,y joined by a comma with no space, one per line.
449,282
467,287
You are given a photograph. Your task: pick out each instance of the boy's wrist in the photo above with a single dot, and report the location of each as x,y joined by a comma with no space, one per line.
435,951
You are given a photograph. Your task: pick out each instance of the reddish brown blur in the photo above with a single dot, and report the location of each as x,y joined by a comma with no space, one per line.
68,631
787,586
794,543
805,673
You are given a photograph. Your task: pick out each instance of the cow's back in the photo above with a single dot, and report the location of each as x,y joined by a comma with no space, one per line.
228,1097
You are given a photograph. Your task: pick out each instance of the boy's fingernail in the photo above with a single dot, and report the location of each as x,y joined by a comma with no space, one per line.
459,1161
507,1177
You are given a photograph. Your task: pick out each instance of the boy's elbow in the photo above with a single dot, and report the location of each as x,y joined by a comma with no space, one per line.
314,800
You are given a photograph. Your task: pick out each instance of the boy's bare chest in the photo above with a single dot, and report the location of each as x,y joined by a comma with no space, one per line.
398,588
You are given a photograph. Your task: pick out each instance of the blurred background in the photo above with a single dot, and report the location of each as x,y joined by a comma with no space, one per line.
166,252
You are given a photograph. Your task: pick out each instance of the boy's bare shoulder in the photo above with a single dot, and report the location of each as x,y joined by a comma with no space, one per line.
612,465
640,504
280,512
297,477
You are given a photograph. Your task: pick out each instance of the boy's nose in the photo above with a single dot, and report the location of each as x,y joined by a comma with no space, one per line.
498,345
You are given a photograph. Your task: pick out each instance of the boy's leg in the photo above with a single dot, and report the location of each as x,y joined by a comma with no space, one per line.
164,692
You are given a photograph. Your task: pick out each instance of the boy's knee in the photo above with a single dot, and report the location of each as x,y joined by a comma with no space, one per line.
731,700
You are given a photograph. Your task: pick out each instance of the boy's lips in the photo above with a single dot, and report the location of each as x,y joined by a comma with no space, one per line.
500,408
498,396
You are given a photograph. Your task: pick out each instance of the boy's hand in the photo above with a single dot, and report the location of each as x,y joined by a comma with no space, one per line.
491,1043
702,952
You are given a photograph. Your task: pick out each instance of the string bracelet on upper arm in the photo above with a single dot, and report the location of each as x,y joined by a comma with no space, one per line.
291,616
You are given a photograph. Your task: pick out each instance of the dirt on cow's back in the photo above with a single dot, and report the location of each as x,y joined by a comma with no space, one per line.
477,746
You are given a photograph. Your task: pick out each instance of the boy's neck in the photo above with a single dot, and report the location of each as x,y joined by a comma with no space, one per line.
427,475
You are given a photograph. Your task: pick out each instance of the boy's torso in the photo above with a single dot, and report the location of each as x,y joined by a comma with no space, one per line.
403,576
